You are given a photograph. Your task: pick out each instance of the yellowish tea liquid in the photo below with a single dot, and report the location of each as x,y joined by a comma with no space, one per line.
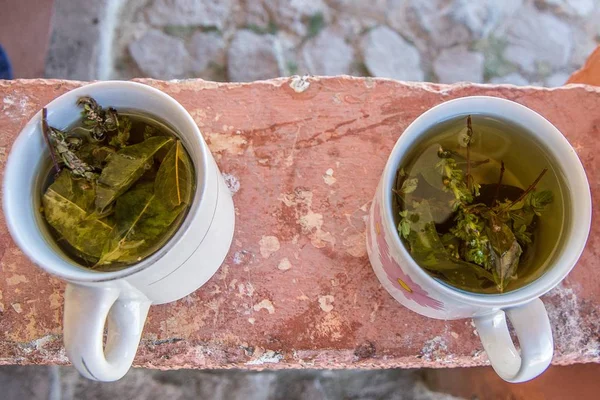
494,141
139,124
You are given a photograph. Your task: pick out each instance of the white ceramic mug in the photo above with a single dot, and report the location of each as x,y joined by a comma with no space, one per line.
120,299
417,290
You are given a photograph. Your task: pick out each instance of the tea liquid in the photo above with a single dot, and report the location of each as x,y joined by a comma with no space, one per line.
494,141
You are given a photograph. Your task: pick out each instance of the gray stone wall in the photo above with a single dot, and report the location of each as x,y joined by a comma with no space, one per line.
538,42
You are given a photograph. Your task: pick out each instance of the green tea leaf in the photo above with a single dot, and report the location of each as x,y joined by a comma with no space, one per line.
66,150
539,200
505,252
150,131
125,167
522,235
97,120
409,185
123,133
67,205
404,227
174,179
94,154
142,223
429,251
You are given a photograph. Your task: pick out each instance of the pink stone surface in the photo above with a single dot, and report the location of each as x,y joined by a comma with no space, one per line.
296,289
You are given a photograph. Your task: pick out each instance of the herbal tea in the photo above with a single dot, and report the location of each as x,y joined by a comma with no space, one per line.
120,186
479,205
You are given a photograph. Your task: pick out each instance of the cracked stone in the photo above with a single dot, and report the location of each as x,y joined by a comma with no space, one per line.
251,57
458,64
387,55
328,54
535,38
189,12
207,50
151,50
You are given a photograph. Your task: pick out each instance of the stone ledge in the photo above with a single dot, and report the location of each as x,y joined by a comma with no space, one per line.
292,295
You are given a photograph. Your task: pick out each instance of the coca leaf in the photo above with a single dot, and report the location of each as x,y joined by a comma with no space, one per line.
505,252
125,167
142,225
68,204
174,179
428,250
121,138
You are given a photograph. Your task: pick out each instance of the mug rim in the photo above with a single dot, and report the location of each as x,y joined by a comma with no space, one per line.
83,274
568,162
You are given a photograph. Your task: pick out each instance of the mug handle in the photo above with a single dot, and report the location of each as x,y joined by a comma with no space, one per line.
87,310
532,326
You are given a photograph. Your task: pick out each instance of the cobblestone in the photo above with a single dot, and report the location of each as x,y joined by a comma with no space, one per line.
328,54
252,57
458,64
388,55
64,383
517,41
159,55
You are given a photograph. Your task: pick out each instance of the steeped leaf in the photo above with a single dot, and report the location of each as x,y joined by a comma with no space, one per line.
121,138
173,185
97,120
142,221
64,147
125,167
539,200
67,206
150,131
428,250
505,252
409,185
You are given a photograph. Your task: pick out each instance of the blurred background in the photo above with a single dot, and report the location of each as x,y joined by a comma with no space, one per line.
537,42
520,42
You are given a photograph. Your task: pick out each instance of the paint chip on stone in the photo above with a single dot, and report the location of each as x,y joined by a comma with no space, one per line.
265,304
434,349
17,307
266,357
268,245
284,264
328,177
16,279
232,183
326,302
299,83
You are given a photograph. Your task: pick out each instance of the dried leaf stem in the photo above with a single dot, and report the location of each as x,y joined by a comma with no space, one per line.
46,135
497,193
528,190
